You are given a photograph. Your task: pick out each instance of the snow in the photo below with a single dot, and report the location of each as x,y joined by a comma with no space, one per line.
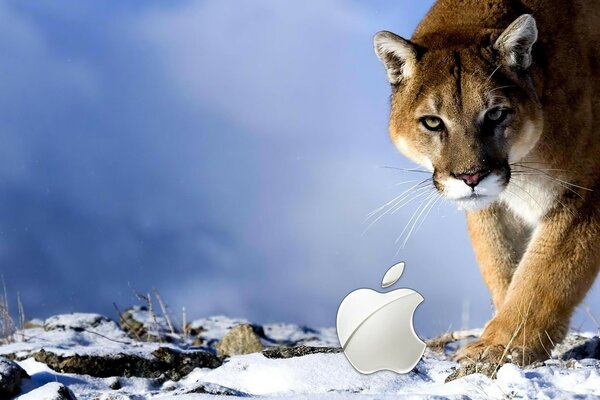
69,334
326,376
292,334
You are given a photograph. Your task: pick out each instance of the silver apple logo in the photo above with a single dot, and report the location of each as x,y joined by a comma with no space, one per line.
376,329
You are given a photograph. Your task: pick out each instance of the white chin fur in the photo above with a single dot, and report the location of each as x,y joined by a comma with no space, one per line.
475,203
485,193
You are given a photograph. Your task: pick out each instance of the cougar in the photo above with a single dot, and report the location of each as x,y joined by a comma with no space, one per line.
499,100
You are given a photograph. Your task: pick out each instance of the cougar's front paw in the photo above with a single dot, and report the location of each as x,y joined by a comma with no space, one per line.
479,356
486,356
480,351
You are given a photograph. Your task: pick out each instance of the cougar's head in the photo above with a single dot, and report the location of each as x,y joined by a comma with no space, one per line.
465,111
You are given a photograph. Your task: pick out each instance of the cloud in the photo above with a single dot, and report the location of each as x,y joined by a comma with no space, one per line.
254,61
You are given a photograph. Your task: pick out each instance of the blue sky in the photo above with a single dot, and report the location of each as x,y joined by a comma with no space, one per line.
223,152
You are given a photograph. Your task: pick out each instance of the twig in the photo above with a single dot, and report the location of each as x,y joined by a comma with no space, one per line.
515,333
441,341
154,319
184,325
164,311
21,315
591,315
124,322
506,349
544,347
6,321
107,338
4,293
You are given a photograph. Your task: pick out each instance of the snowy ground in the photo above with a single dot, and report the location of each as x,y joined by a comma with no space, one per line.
328,376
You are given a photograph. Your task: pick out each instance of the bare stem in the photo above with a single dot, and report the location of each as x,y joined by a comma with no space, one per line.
165,313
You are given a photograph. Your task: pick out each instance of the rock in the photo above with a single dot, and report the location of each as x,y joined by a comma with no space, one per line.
34,323
165,363
209,331
241,339
297,351
578,348
11,375
198,341
208,388
114,383
182,363
485,368
50,391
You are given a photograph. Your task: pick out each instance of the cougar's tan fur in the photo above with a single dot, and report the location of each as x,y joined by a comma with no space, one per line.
535,222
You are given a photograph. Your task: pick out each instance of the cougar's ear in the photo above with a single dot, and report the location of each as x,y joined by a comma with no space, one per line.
514,44
398,55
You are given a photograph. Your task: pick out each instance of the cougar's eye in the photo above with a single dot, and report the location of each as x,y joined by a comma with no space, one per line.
496,115
432,123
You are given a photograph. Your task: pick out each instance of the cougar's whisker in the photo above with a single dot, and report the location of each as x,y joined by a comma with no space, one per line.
419,210
558,180
439,196
404,183
388,211
397,201
369,215
501,87
407,200
533,198
408,169
420,216
527,193
493,72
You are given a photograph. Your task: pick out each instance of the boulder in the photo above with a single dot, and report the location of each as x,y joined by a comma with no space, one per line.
241,339
10,377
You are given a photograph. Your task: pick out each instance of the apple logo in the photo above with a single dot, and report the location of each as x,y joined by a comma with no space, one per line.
376,329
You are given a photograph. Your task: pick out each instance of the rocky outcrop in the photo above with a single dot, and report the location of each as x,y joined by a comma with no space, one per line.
165,363
297,351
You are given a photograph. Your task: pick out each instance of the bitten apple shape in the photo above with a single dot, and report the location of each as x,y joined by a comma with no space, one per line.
376,329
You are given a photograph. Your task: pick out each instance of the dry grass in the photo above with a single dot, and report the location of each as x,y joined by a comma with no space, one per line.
591,315
164,311
162,325
7,324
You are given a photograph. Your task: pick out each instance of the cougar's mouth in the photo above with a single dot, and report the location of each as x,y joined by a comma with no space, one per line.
478,195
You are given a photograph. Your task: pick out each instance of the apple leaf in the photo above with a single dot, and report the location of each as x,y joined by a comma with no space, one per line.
392,275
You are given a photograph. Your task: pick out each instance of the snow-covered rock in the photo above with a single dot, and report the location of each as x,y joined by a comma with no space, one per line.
11,375
50,391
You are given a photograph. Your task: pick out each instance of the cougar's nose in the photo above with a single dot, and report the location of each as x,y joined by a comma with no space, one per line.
473,179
